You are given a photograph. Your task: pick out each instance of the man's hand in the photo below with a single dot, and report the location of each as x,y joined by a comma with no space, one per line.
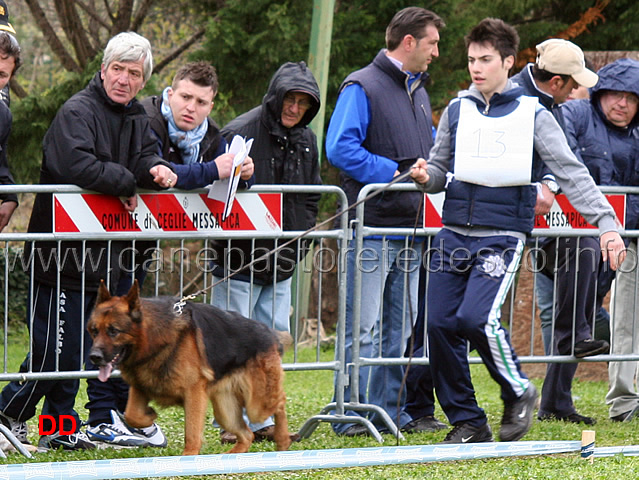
131,203
224,164
247,169
6,210
419,171
545,200
163,176
612,249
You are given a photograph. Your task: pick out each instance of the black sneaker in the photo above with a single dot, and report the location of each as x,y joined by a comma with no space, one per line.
626,416
588,348
75,441
465,433
572,418
427,423
518,416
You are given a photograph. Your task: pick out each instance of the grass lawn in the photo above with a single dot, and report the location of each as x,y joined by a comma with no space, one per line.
309,391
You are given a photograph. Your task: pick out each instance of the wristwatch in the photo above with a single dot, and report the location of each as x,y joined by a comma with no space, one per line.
552,185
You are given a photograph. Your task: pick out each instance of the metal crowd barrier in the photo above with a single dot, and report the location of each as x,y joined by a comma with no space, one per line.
334,411
186,271
339,232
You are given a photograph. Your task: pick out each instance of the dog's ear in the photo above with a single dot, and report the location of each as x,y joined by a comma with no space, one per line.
133,299
103,293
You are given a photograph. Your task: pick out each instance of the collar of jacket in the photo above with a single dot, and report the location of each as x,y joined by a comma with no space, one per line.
382,62
510,93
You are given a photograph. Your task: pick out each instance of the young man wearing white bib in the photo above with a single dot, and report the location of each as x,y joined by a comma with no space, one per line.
491,146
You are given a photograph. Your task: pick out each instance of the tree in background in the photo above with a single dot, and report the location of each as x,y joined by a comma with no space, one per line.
63,40
247,40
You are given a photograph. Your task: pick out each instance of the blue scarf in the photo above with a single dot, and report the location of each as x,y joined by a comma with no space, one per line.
187,142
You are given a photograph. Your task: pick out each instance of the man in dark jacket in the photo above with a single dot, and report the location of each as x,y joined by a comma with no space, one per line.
187,137
604,134
9,62
99,140
189,140
284,152
5,26
381,124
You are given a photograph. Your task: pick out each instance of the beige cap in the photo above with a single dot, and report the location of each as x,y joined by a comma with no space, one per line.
565,58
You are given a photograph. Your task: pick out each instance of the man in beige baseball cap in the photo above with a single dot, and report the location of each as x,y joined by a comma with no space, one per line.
560,69
565,58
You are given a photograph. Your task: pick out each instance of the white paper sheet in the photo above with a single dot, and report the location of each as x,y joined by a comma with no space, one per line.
224,190
495,151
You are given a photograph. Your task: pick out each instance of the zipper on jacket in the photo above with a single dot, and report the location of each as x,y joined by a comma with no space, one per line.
424,110
469,222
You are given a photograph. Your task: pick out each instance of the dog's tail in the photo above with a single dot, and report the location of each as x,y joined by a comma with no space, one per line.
286,340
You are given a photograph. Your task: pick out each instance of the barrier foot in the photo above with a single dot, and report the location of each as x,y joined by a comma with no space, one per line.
324,416
14,441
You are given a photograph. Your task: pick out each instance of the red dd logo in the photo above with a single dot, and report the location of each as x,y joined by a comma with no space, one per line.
54,424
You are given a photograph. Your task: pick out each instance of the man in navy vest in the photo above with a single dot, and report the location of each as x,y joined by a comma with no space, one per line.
381,124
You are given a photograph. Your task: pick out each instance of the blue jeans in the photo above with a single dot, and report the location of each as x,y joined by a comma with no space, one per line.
269,304
388,308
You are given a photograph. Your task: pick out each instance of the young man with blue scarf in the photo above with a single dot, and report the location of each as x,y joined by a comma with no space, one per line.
191,142
187,136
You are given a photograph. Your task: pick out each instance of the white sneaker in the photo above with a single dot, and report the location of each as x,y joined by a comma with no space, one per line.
19,429
153,435
118,433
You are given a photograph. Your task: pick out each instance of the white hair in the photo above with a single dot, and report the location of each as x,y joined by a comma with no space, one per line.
129,47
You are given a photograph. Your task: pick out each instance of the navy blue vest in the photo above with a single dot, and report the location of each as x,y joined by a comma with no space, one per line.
470,205
400,128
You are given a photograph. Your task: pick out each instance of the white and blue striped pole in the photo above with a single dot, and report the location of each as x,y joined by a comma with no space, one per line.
276,461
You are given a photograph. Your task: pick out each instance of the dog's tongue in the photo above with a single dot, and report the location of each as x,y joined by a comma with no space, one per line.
105,372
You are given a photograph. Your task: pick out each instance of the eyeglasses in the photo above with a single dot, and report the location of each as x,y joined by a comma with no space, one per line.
290,100
631,98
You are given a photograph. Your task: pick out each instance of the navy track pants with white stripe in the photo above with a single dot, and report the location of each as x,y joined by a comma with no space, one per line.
470,278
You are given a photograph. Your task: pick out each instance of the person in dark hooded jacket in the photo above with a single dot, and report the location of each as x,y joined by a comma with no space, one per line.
604,134
284,152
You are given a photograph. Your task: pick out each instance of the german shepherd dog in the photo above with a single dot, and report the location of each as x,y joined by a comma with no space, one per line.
183,359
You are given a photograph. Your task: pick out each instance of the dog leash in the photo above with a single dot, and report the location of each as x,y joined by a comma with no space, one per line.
178,307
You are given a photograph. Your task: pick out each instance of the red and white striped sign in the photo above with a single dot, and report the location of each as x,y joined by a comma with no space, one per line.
165,212
561,218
